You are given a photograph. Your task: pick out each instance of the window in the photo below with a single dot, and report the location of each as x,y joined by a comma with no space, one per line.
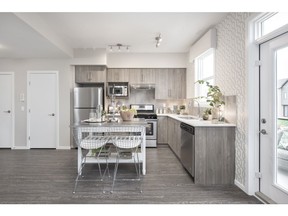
270,22
204,70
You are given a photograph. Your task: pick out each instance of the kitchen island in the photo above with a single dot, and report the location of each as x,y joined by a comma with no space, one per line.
113,129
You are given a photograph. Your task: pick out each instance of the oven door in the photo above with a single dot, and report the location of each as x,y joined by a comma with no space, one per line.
151,129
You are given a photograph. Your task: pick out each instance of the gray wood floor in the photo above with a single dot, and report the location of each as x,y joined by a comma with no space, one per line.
47,176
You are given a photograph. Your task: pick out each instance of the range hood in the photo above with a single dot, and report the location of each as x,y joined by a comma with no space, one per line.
142,86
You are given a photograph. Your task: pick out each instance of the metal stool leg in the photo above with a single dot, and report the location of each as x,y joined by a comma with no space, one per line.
115,170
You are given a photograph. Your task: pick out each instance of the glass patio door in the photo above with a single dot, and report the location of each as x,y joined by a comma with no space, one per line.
274,119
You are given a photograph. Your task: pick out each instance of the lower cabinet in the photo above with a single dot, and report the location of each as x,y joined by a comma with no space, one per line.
162,129
174,136
214,155
214,152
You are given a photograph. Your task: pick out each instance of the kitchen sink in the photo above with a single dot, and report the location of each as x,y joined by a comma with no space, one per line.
188,117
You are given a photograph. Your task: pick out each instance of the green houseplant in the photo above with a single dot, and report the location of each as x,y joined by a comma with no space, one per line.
214,98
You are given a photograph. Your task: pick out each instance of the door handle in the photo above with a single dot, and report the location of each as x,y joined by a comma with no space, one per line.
8,111
263,131
52,114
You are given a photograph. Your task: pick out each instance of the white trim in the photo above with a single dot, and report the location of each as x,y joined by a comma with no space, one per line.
21,147
57,104
12,107
273,34
64,148
257,33
252,55
238,184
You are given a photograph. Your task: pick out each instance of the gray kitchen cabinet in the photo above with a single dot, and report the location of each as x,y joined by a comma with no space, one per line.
118,75
214,152
174,136
170,83
214,155
90,74
162,133
142,76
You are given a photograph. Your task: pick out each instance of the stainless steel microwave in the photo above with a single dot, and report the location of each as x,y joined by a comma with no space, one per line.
118,89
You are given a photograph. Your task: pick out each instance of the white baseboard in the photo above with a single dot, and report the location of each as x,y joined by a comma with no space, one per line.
20,147
64,147
241,186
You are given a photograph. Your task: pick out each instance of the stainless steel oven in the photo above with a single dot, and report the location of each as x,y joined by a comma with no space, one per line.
151,133
146,111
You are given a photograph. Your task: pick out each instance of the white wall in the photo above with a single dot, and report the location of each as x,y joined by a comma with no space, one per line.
20,68
146,60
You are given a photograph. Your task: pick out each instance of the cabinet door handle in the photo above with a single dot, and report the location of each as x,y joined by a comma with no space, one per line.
52,114
8,111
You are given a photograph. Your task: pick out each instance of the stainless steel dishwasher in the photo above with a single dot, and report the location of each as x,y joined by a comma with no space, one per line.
187,153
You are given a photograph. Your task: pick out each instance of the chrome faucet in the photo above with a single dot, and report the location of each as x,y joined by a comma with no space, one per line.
199,115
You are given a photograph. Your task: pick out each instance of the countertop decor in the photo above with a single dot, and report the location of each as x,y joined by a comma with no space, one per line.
214,98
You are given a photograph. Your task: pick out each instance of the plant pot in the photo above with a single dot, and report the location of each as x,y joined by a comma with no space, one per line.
126,115
205,116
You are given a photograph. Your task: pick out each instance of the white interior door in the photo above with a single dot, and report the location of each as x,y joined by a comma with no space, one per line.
6,110
274,119
43,109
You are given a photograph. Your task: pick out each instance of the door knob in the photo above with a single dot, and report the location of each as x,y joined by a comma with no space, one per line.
263,131
52,114
8,111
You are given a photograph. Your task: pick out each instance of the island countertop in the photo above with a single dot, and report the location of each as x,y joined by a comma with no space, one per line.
120,123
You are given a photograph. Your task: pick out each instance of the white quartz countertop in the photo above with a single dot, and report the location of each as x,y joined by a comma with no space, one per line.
196,122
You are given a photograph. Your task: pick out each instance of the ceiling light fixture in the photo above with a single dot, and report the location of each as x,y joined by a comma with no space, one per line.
119,47
158,40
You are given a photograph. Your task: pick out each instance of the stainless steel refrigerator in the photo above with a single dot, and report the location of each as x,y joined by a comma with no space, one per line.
86,100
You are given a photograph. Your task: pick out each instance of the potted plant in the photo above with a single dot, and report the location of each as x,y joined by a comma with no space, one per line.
182,109
207,112
127,114
214,98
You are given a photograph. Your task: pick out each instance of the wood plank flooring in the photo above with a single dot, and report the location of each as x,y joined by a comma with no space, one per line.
47,177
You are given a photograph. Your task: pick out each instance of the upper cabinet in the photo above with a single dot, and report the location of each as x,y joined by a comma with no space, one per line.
142,76
118,75
170,83
90,74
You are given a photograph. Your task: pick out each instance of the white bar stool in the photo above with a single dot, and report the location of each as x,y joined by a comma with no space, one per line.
93,145
127,144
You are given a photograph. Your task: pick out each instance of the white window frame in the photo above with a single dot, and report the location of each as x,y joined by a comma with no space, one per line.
258,34
198,62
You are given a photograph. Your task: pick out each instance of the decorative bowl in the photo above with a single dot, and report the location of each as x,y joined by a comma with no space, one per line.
127,115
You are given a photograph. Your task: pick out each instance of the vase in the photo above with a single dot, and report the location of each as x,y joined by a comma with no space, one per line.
215,114
205,116
126,115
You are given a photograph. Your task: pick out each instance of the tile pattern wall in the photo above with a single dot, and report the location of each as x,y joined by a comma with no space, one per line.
231,77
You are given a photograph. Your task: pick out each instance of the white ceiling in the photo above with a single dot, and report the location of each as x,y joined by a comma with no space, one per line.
40,35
